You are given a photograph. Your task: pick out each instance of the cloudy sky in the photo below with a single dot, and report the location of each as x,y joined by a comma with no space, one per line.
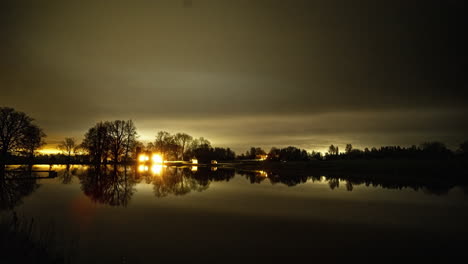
241,73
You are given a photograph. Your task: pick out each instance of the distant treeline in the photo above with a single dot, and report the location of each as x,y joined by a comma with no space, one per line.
426,150
117,142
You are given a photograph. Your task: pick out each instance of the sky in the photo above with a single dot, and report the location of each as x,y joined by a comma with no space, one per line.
241,73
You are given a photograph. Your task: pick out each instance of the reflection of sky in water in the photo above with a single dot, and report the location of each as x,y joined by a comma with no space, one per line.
164,197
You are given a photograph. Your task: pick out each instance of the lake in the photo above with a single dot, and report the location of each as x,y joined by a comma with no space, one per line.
150,214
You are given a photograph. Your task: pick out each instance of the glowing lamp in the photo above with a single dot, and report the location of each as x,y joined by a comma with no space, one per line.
157,158
156,169
143,158
142,168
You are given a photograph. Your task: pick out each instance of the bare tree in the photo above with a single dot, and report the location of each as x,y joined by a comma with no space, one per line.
183,141
67,146
165,144
130,143
114,139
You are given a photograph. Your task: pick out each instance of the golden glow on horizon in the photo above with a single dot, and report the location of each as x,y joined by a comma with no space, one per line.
48,151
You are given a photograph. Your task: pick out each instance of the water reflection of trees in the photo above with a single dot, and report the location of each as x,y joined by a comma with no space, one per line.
66,175
114,186
350,181
14,187
182,180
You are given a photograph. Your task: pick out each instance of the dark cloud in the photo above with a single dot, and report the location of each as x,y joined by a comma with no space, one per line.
71,64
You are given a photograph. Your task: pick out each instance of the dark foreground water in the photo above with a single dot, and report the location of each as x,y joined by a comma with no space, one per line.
159,214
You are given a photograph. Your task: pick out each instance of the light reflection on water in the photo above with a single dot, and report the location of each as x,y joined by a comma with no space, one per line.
220,206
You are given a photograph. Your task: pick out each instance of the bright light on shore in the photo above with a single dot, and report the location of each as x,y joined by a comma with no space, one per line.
156,169
143,158
142,168
157,158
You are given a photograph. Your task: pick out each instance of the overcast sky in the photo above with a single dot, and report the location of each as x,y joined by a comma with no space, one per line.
243,72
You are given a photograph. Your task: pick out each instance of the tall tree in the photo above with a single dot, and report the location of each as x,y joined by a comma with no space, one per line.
131,142
17,133
166,145
183,141
116,139
96,142
333,151
348,148
32,140
67,146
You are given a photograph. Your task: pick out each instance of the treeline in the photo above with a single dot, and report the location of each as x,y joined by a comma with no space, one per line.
426,150
181,146
117,142
105,142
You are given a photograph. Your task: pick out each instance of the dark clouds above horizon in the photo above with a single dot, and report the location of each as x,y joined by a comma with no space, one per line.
241,72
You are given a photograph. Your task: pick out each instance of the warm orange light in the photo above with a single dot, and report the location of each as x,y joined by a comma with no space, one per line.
194,161
157,169
194,168
143,158
48,151
263,173
157,158
143,168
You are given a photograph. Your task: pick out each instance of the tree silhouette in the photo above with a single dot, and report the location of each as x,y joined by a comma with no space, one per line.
332,150
131,142
166,145
110,139
348,148
96,143
17,133
182,140
33,139
67,146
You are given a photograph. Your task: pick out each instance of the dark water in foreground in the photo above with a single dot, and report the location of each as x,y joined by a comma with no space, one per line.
162,214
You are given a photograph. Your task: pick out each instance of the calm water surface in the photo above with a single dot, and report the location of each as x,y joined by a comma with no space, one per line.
160,214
